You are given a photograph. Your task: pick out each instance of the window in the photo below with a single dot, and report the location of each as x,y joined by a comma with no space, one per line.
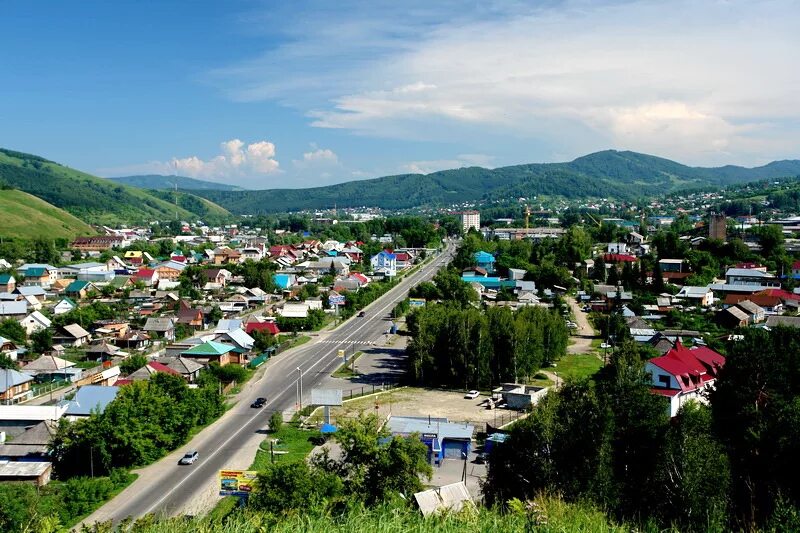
663,380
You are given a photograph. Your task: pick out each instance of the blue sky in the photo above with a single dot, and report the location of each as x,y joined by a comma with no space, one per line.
296,94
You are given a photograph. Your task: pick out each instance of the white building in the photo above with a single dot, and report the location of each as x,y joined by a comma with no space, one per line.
470,219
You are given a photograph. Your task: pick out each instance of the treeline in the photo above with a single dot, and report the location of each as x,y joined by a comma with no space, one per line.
453,346
147,420
730,466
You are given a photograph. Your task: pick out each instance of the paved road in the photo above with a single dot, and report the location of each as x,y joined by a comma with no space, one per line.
231,442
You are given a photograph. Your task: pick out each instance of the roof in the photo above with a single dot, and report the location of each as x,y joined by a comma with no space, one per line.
693,292
5,278
34,441
11,378
762,300
618,258
48,362
181,364
31,291
737,313
270,327
447,498
788,321
76,331
159,324
144,273
406,425
750,307
240,338
90,398
77,286
35,272
67,301
690,365
22,469
210,348
284,281
747,272
228,324
13,308
484,257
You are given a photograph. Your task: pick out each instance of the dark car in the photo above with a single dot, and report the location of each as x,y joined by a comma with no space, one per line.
259,403
362,313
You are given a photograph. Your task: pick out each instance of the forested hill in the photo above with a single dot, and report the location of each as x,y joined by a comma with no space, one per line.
96,200
157,181
622,175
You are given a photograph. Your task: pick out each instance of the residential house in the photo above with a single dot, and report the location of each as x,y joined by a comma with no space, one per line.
7,283
90,399
40,274
32,291
771,304
79,289
384,263
148,276
404,260
266,326
32,445
121,282
50,367
98,243
34,322
15,386
747,276
187,368
135,258
8,348
485,260
617,248
339,266
144,373
133,339
65,305
210,352
189,315
217,276
13,309
72,335
294,310
170,270
242,343
284,281
699,296
684,374
163,327
101,351
755,313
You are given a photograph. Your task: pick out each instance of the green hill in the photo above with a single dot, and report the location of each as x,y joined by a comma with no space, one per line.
621,175
92,199
157,181
25,216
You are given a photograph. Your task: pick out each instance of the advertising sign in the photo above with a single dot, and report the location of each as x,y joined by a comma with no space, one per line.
416,302
337,299
236,482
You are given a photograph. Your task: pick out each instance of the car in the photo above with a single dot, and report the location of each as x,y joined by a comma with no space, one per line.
362,313
258,403
189,458
605,346
471,395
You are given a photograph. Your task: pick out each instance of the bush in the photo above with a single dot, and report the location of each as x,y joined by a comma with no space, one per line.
276,421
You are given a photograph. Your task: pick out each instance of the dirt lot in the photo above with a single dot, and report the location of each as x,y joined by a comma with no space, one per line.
411,401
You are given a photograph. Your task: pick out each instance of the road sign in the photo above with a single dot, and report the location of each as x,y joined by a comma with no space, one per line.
416,302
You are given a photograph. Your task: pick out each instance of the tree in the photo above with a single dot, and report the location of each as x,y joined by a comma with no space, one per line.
42,340
263,340
215,315
293,487
7,362
132,364
276,421
12,330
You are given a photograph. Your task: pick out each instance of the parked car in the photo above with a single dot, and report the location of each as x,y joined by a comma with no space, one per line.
189,458
471,395
362,313
258,403
605,346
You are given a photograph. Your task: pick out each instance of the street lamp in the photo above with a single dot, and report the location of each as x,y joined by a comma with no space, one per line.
300,393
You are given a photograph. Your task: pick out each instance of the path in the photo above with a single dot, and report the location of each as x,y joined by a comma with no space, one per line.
585,333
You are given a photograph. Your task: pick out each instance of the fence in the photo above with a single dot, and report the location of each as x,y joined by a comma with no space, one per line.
367,389
40,389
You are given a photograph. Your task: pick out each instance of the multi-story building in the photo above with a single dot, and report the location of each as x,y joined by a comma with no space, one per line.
470,219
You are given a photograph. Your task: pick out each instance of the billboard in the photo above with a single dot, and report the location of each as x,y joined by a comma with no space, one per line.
236,482
337,299
416,302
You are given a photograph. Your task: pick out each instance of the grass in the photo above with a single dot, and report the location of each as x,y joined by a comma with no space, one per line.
578,366
345,371
292,440
540,380
25,216
297,341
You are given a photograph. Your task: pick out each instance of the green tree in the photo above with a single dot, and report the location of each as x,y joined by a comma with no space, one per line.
42,340
12,330
215,315
132,364
7,362
293,487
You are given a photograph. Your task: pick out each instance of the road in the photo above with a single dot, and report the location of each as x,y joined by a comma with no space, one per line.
165,488
585,333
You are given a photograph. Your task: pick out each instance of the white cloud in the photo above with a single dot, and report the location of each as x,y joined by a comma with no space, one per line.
321,154
702,82
463,160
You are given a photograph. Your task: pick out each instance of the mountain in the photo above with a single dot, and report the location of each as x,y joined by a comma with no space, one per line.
156,181
23,215
97,200
611,174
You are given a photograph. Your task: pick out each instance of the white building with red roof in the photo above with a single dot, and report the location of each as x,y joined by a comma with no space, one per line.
684,374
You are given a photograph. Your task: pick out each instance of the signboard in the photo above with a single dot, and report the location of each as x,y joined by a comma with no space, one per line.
326,396
416,302
336,299
341,353
236,482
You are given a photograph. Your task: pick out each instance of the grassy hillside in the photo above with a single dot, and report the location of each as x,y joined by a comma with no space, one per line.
92,199
156,181
25,216
622,175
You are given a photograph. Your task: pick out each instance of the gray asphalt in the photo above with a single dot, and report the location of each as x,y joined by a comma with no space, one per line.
170,491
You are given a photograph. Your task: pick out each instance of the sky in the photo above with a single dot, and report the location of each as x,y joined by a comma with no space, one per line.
268,94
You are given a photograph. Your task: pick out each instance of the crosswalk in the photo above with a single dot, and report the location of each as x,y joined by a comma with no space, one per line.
349,342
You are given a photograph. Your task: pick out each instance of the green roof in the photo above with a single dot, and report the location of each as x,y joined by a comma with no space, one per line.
5,278
76,286
119,281
69,301
209,348
35,272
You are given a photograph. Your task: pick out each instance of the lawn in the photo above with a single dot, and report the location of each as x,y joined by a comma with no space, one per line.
577,366
290,439
540,380
345,371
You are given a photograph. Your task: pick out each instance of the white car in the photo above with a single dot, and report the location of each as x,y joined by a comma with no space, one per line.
605,346
471,395
189,458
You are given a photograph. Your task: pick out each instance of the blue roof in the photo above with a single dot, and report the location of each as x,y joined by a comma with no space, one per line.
283,281
11,378
76,286
489,282
484,257
441,427
90,398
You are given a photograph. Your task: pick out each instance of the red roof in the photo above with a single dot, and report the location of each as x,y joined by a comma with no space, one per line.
751,265
360,277
160,367
796,265
402,256
693,367
618,258
144,273
271,327
760,299
780,293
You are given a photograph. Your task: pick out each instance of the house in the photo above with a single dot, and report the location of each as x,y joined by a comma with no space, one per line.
186,368
98,243
37,472
33,292
144,373
148,276
404,260
747,276
7,283
40,274
32,445
8,348
617,248
87,272
65,305
284,281
444,439
384,263
190,316
339,266
241,342
755,313
101,351
217,276
13,309
34,322
774,321
771,304
210,352
163,327
134,257
134,339
90,399
346,285
684,374
121,282
170,270
485,260
294,310
79,289
51,367
72,335
700,296
15,386
264,327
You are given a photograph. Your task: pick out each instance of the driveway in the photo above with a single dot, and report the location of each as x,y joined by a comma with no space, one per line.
585,334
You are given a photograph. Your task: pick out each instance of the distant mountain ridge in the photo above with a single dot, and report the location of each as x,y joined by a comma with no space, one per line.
97,200
159,182
623,175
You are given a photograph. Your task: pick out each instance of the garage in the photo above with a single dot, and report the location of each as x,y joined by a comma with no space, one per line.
453,449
